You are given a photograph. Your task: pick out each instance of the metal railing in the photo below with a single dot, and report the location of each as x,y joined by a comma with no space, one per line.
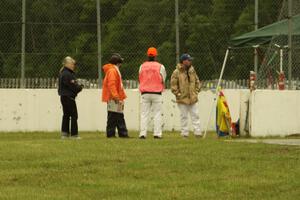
51,83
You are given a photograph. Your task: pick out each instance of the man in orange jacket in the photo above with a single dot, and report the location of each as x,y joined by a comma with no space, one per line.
114,95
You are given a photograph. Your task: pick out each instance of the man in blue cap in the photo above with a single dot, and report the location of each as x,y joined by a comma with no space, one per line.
185,85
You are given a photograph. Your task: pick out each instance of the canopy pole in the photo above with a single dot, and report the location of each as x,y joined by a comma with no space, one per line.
217,88
281,48
281,60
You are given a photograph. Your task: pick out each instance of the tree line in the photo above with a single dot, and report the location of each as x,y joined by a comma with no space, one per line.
58,28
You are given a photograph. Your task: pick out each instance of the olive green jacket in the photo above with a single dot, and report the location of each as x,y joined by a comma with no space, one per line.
185,85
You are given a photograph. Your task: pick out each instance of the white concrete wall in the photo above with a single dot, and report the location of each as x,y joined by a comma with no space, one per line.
272,113
40,110
275,113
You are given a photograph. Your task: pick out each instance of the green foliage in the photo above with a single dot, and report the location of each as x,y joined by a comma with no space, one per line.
58,28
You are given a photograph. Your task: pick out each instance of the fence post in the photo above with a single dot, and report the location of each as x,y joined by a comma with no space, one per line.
23,44
255,28
99,44
177,30
290,30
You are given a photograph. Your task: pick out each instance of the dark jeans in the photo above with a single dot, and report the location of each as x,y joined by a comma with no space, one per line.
70,111
116,120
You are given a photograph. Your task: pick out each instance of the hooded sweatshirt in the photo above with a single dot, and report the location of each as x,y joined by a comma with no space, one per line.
112,84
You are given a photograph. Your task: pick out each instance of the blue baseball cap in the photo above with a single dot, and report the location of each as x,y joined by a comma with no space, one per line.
186,56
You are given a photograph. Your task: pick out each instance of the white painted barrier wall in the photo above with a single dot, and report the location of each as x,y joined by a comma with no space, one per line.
40,110
272,113
275,113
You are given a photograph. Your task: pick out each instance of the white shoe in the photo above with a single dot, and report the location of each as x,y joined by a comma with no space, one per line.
198,136
75,137
64,135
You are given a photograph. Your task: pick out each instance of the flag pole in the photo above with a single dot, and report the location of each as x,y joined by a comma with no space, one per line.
217,88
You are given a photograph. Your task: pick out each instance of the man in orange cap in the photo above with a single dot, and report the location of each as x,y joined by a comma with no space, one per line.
152,75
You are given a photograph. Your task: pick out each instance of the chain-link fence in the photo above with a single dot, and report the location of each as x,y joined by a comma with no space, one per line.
275,62
57,28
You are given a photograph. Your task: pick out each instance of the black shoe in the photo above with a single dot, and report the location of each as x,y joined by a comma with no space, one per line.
157,137
142,137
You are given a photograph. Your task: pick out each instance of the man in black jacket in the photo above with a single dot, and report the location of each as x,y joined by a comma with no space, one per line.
68,88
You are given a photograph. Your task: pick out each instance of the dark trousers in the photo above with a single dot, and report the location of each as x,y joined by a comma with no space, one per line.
116,120
70,112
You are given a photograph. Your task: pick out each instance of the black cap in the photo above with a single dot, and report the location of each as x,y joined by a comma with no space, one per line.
116,59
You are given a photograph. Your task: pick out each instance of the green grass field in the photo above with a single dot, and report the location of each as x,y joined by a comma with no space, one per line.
42,166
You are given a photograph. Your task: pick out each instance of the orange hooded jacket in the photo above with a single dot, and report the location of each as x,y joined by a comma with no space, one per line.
112,84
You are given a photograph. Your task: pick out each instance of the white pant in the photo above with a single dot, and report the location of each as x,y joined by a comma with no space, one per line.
149,101
193,111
